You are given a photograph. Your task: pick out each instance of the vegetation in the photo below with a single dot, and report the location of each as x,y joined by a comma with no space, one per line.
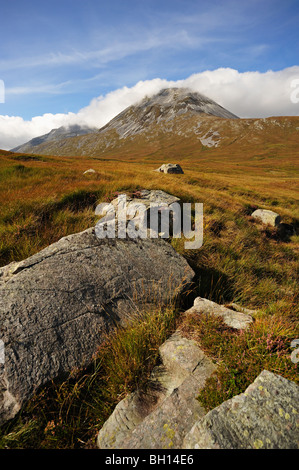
45,198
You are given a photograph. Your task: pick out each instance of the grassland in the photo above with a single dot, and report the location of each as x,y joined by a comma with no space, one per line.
45,197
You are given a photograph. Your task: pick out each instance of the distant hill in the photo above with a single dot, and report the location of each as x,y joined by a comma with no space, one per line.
55,135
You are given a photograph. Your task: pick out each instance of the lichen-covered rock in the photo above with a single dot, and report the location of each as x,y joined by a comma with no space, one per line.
56,305
265,416
267,217
232,318
162,416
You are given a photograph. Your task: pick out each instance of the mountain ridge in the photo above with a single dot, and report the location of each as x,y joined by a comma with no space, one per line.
57,134
163,106
171,123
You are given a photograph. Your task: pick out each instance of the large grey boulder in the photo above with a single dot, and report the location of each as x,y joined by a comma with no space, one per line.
232,318
264,417
267,217
170,168
56,305
161,417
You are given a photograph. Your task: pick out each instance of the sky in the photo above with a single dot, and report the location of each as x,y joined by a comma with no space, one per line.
82,62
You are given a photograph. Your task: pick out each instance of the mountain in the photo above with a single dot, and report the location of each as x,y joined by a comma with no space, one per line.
55,135
164,106
175,123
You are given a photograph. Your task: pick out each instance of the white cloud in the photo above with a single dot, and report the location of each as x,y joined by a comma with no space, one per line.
247,94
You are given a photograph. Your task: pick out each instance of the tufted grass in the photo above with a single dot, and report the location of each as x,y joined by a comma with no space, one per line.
241,355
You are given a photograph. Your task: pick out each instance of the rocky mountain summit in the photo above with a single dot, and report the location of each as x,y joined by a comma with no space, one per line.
164,106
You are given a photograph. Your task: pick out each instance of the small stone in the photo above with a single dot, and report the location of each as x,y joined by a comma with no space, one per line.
267,217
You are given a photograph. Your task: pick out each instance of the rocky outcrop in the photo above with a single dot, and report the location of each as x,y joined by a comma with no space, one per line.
267,217
232,318
170,168
161,417
169,416
56,305
164,415
265,416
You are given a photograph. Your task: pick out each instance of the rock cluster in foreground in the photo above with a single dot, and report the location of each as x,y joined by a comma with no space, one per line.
56,305
161,417
169,415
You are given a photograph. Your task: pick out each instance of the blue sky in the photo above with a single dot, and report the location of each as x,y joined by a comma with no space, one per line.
75,61
56,56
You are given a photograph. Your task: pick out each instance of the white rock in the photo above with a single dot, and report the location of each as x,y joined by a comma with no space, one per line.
267,217
170,168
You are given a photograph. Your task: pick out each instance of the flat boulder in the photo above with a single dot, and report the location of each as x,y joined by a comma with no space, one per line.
56,305
267,217
170,168
232,318
265,416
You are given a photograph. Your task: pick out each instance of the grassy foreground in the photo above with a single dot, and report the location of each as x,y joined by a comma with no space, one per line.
45,198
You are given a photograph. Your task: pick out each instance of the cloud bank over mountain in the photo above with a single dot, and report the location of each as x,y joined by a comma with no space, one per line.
246,94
